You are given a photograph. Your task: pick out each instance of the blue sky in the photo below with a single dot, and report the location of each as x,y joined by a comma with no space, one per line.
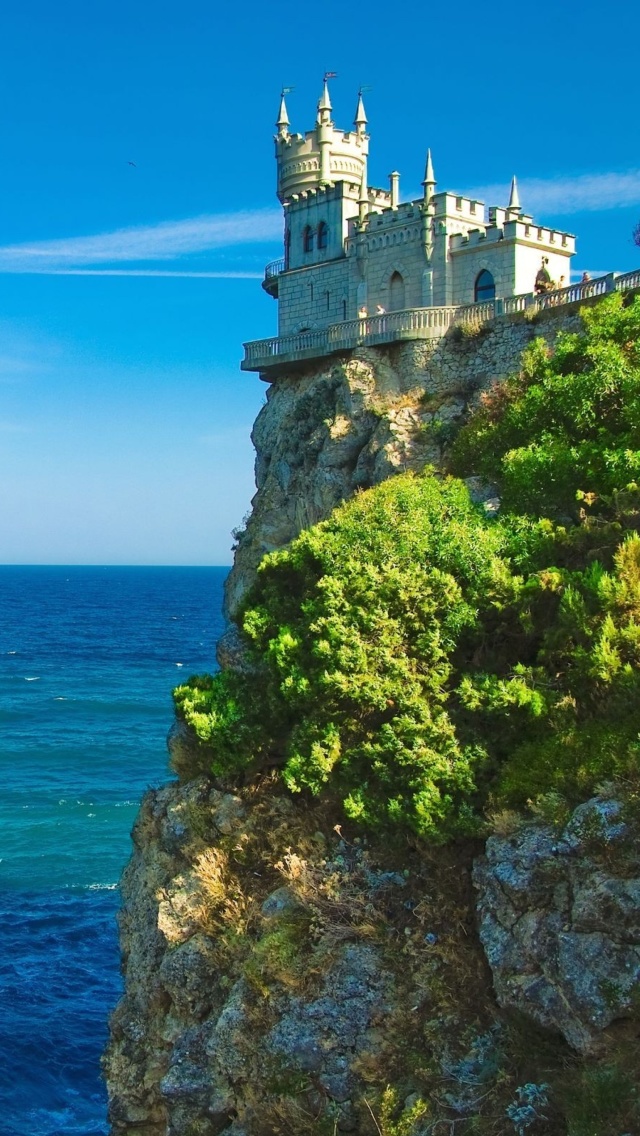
126,290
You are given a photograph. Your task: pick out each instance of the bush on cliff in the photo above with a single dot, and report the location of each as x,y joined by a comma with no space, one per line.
355,627
416,659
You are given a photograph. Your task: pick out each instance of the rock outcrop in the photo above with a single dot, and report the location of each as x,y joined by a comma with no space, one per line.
559,919
278,973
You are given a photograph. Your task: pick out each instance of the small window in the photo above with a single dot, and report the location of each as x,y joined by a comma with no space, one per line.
287,247
485,288
396,293
307,239
323,235
344,310
458,203
311,290
328,300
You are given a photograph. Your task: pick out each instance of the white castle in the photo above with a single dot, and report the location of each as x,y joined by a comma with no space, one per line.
353,252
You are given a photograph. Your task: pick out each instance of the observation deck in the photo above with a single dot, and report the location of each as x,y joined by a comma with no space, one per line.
271,274
265,355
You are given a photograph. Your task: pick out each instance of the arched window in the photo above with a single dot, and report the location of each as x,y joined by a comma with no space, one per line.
485,287
323,235
307,239
287,247
396,293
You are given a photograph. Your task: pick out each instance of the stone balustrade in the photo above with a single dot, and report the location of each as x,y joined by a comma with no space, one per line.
415,323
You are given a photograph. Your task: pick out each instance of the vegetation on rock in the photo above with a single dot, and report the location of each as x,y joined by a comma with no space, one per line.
424,662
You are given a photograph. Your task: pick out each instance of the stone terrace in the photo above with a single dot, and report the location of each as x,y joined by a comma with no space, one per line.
271,355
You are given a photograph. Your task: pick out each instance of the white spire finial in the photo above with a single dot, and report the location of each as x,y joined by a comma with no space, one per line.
514,199
429,176
360,121
283,118
325,101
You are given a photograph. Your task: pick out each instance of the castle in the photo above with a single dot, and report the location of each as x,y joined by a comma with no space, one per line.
353,252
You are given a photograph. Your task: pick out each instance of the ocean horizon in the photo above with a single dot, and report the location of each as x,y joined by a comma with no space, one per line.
89,655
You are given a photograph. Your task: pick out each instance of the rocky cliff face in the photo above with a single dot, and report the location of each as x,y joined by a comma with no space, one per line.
285,976
559,919
282,972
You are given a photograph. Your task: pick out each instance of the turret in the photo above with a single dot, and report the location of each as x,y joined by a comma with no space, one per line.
360,121
513,208
282,122
324,133
323,156
428,206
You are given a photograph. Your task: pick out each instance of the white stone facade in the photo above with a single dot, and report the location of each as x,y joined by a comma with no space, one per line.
350,248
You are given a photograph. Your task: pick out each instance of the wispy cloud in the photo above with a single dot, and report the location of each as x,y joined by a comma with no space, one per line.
566,195
169,240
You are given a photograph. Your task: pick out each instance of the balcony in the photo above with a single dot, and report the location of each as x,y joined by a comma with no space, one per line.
271,274
268,355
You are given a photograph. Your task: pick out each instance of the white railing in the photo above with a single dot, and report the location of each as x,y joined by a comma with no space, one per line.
628,281
418,323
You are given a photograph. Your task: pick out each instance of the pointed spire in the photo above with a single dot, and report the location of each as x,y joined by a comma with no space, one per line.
514,199
429,176
325,101
360,121
283,117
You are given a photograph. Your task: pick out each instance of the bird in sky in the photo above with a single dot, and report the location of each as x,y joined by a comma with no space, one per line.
131,164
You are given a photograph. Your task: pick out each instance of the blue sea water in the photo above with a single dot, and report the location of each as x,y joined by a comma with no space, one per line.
88,658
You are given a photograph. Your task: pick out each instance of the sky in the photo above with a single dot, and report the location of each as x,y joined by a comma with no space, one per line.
138,209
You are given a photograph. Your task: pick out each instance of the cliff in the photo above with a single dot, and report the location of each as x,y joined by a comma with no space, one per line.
285,973
286,976
346,423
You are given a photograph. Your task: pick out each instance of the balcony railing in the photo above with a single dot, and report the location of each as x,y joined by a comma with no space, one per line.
416,323
274,269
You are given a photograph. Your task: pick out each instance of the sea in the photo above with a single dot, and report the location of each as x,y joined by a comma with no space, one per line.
88,659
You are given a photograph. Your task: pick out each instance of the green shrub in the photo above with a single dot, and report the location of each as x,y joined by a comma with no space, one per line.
414,659
569,422
354,627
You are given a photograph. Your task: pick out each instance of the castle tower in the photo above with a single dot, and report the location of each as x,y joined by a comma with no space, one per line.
323,156
322,185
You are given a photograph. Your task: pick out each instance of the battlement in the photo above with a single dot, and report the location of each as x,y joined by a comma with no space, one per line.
408,210
300,161
455,205
517,229
321,194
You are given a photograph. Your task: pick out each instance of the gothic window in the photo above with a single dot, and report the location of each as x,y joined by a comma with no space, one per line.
287,247
485,287
307,239
323,235
396,293
344,310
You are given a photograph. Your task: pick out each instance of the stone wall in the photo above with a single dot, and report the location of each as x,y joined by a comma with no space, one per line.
345,423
